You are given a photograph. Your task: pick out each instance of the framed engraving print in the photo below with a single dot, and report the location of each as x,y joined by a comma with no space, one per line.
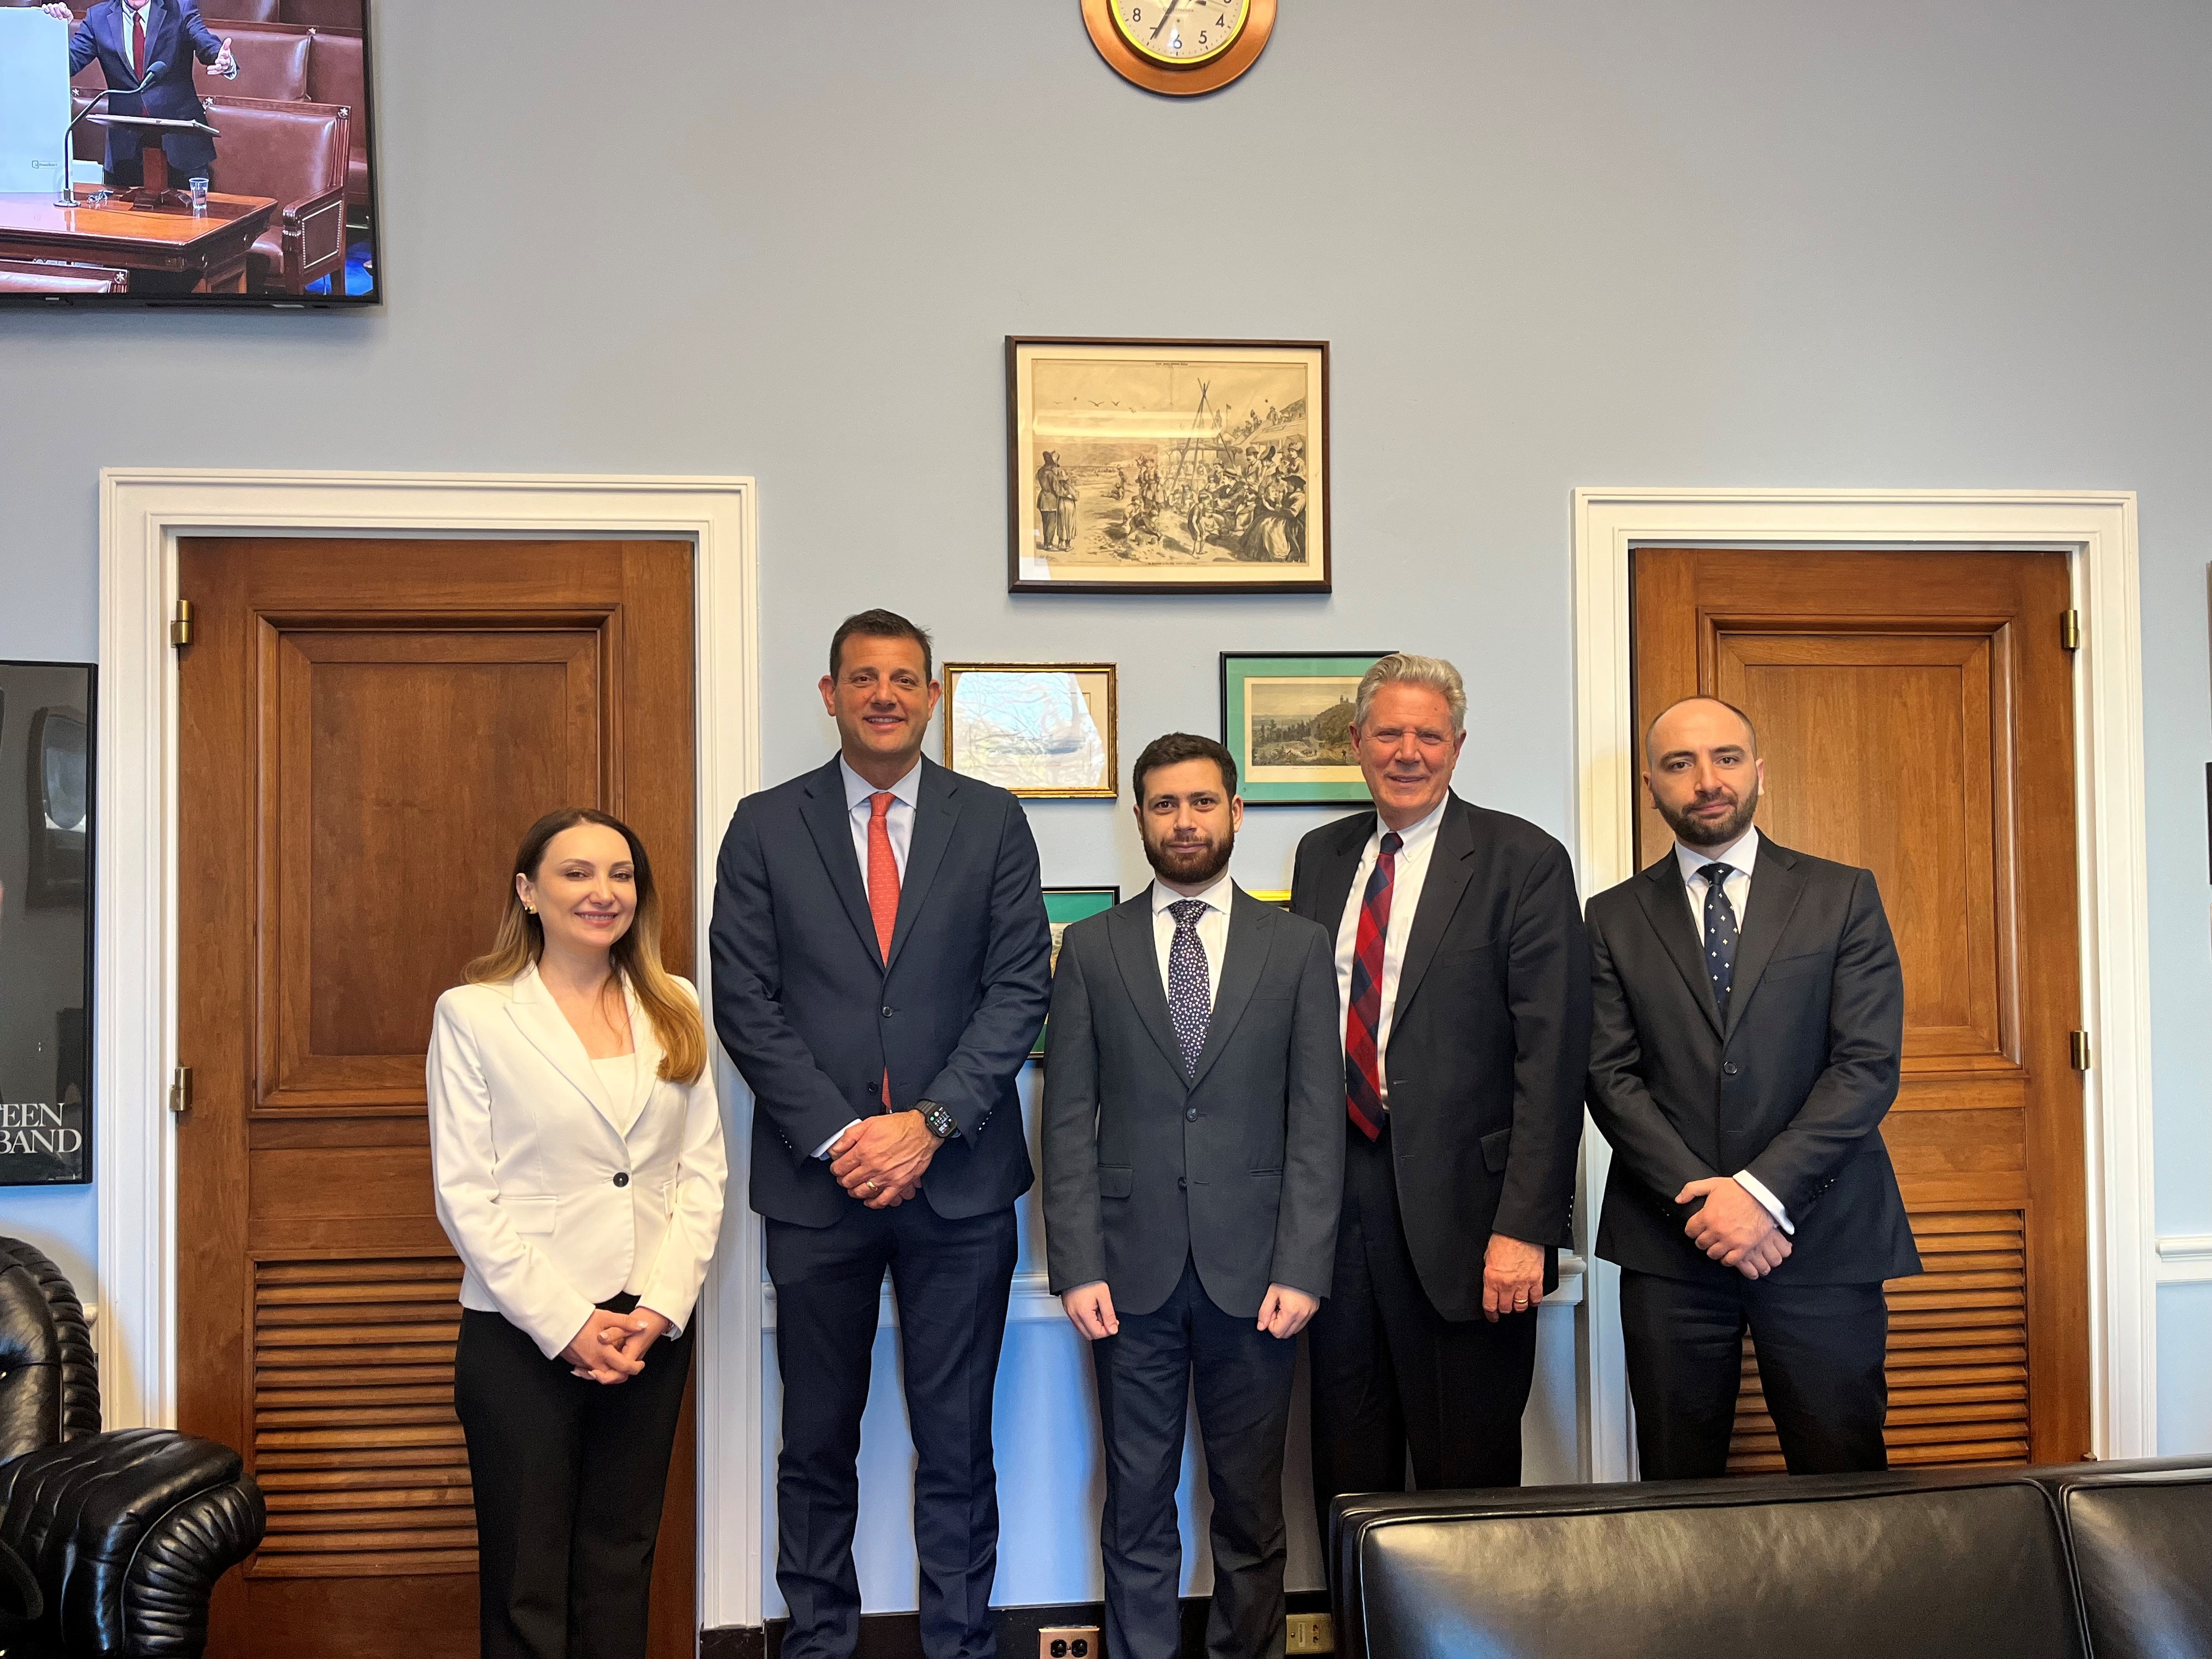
1063,905
46,924
1040,729
1287,720
1166,466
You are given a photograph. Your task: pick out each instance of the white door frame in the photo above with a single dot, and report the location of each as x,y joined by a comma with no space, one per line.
2096,529
141,514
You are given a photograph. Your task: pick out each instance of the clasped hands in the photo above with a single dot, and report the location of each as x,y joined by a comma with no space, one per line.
1734,1228
1283,1311
881,1160
610,1348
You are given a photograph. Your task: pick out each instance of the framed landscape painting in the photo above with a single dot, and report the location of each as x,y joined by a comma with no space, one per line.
1166,466
1287,720
1064,905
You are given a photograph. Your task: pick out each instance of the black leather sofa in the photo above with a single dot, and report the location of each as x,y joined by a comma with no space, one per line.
124,1534
2087,1561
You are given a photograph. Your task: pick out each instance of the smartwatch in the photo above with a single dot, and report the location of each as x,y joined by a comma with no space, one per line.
937,1120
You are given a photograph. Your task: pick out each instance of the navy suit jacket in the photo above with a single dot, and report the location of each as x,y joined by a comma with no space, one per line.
813,1016
174,36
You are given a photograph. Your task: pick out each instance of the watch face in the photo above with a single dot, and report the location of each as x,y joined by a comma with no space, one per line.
1181,31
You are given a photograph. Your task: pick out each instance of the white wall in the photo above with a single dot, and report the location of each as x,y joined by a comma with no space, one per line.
1593,241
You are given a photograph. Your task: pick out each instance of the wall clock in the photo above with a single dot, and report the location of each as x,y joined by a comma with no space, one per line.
1180,46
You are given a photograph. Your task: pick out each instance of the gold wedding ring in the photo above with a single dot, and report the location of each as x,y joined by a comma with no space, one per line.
873,1188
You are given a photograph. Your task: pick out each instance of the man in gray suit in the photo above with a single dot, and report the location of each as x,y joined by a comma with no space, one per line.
1194,1159
1750,1016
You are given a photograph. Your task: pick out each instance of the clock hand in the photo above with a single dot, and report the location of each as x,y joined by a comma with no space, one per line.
1173,5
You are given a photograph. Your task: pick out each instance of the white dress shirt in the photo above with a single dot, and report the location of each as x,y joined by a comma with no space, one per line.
1411,871
899,824
1740,858
1213,929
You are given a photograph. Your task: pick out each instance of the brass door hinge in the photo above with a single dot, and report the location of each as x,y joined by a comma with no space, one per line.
180,1091
180,631
2077,1046
2069,630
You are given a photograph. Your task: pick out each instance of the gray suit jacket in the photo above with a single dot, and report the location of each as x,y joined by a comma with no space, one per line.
1240,1169
1792,1086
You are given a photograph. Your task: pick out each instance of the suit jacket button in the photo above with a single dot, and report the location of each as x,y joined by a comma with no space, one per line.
1183,1183
621,1178
887,1013
1729,1066
1192,1114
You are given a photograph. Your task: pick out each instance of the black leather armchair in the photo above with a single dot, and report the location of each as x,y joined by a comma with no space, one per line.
127,1533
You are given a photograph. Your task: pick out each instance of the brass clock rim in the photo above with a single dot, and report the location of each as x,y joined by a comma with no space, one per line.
1236,33
1184,80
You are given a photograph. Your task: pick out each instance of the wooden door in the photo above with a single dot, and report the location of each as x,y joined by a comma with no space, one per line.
367,730
1916,711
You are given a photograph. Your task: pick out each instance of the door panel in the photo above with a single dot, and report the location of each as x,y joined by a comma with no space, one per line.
368,729
1915,712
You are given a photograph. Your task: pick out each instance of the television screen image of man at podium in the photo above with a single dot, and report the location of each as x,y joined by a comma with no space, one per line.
131,39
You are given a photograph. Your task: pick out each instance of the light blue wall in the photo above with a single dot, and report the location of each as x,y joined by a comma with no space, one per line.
1715,242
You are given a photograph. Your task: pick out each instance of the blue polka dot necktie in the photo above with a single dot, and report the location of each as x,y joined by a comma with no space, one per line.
1720,933
1190,1000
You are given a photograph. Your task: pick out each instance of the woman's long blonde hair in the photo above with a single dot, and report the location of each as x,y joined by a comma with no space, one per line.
636,957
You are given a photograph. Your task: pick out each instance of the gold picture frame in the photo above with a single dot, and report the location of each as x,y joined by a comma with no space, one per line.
1039,729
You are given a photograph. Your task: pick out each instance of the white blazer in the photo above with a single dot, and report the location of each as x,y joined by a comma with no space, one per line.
555,1194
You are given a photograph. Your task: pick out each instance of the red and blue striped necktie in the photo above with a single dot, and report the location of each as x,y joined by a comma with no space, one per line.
1363,1020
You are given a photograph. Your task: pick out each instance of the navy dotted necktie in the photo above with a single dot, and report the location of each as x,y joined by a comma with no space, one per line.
1720,933
1190,1000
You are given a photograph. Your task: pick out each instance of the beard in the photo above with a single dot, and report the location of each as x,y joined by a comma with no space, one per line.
1190,864
1692,831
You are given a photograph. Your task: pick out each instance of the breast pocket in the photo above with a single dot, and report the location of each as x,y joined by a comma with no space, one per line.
532,1216
1812,962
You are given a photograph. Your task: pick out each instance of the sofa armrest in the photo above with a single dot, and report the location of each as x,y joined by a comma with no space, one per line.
127,1534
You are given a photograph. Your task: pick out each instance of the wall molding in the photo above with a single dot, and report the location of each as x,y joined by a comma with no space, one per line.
2185,1259
142,513
2097,530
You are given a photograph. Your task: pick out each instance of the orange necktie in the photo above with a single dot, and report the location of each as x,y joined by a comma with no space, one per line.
883,887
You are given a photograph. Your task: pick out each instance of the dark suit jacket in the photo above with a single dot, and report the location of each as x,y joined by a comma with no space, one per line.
174,35
1488,1039
1793,1087
813,1015
1240,1170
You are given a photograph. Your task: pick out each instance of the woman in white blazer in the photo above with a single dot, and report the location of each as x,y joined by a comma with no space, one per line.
577,1154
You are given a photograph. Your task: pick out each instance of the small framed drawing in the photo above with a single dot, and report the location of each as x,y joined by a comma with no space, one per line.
1287,720
1166,466
1063,905
1279,898
1042,728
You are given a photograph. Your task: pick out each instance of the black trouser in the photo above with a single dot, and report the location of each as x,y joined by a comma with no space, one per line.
1242,1379
1392,1375
570,1474
1820,1350
951,1278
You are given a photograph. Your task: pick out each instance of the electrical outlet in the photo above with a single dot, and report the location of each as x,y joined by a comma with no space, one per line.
1310,1632
1068,1642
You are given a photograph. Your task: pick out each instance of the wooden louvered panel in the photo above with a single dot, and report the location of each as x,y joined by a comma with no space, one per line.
1958,1352
354,1439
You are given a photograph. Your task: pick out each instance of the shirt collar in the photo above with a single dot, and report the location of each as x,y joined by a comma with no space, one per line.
1740,857
857,788
1217,895
1414,838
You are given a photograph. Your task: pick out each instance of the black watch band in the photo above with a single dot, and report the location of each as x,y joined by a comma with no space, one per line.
937,1120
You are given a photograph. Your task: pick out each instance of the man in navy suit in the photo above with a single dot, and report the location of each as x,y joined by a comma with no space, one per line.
130,37
882,964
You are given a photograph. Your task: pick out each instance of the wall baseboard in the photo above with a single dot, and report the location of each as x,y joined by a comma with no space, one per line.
898,1635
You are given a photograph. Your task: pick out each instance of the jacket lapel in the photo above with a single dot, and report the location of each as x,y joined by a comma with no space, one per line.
539,1019
1666,902
1333,885
1451,867
1129,927
647,1041
936,810
829,822
1776,886
1251,927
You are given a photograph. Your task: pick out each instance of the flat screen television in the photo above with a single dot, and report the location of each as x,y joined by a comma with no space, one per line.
216,153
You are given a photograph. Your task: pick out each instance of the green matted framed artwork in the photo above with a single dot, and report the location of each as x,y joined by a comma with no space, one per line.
1063,905
1287,720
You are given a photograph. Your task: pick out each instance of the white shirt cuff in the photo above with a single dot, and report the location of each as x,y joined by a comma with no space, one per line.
1751,1184
822,1151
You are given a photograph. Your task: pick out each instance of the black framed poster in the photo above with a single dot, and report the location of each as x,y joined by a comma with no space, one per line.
46,923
